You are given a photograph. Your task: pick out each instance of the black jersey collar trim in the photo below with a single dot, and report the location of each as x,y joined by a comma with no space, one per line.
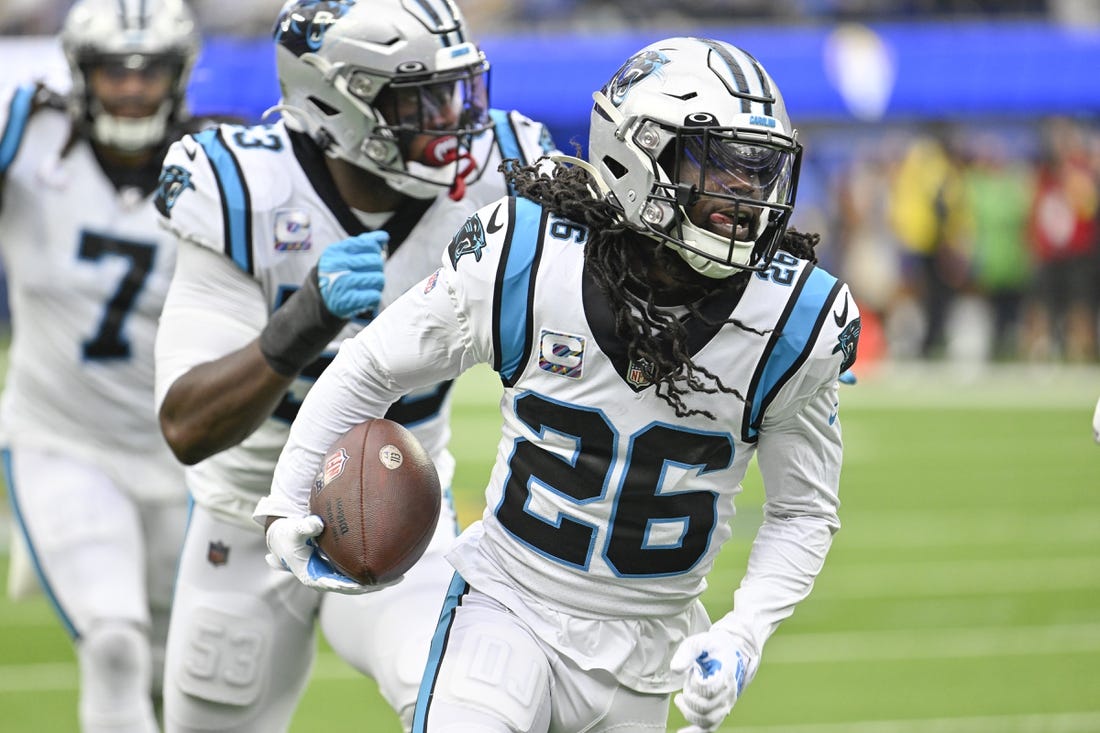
715,311
311,158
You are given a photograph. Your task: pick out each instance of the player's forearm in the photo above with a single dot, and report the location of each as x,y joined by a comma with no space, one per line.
216,405
350,390
800,465
786,557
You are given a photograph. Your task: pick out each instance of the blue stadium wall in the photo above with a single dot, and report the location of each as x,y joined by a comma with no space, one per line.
945,71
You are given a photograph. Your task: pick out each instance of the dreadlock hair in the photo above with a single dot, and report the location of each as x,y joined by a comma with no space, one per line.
656,339
801,244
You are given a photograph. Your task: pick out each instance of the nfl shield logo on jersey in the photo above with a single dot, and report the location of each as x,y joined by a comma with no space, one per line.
217,553
637,374
430,283
292,231
561,353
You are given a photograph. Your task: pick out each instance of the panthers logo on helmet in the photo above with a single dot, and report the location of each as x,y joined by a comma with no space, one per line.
302,26
638,67
174,180
847,342
470,239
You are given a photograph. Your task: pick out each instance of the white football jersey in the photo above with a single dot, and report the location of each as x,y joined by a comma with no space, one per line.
261,198
603,503
86,285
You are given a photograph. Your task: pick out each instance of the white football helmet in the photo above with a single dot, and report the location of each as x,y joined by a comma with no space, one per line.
695,128
134,34
363,79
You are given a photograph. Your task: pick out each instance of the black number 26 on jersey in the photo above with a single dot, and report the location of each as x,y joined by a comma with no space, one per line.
586,477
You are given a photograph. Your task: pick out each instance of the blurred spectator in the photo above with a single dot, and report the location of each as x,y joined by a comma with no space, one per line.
489,16
245,18
998,190
31,17
1075,12
871,251
926,217
1062,321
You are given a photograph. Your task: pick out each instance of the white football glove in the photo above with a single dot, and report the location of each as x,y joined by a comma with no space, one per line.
716,669
1096,423
289,542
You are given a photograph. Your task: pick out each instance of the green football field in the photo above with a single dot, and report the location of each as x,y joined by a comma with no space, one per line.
961,596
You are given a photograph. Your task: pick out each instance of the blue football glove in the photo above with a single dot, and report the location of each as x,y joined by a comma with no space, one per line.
346,282
715,669
291,548
349,275
847,377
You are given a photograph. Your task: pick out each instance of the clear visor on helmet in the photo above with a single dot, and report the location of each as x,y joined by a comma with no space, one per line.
730,191
445,104
150,67
724,165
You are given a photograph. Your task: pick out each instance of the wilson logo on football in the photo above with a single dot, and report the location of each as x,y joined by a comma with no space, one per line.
391,457
334,465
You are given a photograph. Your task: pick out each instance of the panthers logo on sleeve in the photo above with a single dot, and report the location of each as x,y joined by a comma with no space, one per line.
848,339
846,345
470,239
174,180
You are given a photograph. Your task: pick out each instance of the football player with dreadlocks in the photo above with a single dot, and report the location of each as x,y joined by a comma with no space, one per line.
96,492
656,326
293,235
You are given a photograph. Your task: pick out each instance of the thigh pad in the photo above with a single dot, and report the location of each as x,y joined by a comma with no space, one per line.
224,656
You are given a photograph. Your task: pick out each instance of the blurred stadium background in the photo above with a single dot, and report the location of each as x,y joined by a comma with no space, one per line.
953,169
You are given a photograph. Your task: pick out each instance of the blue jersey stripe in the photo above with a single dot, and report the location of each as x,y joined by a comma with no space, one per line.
234,195
455,592
514,288
796,339
18,114
47,589
507,140
506,136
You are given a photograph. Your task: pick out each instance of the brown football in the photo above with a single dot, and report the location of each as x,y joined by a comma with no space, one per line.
378,493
